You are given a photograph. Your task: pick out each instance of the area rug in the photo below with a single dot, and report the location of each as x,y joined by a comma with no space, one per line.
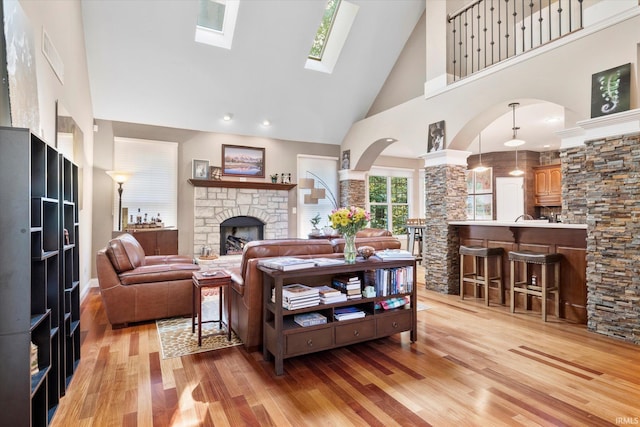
176,338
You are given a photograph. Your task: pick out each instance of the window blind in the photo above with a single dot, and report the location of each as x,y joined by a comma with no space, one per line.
153,187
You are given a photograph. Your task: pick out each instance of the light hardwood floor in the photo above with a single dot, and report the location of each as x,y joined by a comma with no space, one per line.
471,366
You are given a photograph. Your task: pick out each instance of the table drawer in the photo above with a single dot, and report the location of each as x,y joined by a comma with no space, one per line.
306,342
354,332
392,323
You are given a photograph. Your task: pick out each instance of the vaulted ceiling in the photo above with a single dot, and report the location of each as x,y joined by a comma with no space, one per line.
146,68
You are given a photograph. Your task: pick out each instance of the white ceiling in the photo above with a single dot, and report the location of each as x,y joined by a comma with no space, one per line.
146,68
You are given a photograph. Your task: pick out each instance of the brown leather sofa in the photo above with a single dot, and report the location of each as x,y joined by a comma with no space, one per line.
246,314
135,287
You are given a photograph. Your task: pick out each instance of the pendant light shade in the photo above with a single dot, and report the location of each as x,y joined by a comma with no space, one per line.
517,171
514,141
480,167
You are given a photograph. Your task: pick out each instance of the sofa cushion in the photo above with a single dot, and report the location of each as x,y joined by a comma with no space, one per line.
125,253
158,273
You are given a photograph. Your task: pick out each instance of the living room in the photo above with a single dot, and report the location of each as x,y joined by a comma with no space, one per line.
234,384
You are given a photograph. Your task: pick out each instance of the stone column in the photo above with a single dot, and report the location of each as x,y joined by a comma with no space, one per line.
445,200
352,188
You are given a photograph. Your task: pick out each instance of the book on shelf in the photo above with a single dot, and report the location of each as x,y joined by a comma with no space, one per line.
328,291
346,284
300,304
310,319
394,255
287,263
323,262
298,290
334,299
346,313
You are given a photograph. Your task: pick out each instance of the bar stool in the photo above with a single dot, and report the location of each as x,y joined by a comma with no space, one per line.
541,289
481,277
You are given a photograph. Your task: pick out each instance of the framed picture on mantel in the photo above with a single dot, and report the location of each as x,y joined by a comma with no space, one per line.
242,161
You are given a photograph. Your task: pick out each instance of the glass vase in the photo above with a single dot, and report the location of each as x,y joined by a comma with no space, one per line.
350,248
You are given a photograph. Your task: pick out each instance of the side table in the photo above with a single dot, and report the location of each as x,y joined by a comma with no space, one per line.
210,279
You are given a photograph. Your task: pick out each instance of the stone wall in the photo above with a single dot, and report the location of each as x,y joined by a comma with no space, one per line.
445,200
212,205
352,193
574,190
612,182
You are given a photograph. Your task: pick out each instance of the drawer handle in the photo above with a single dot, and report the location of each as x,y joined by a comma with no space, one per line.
310,343
394,324
356,333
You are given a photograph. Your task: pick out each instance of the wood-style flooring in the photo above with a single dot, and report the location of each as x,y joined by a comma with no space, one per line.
471,366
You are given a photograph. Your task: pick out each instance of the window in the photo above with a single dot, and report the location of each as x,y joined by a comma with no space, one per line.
153,187
319,42
389,199
217,22
331,35
327,169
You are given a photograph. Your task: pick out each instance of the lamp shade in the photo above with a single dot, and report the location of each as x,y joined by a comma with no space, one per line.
119,176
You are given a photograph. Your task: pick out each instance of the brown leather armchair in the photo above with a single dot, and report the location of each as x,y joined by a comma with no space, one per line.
135,287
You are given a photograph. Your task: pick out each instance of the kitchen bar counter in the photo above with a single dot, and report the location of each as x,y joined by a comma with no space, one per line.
570,240
526,223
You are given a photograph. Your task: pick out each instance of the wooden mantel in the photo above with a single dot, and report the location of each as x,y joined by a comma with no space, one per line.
240,184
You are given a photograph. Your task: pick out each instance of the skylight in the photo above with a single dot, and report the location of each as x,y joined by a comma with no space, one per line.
331,35
216,22
330,12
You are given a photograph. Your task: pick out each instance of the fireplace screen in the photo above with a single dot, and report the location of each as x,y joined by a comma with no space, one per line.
237,231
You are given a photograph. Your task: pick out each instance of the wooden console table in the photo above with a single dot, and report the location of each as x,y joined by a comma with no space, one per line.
283,338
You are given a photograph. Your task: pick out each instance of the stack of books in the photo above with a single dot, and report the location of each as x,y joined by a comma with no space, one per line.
287,263
329,295
297,296
323,262
347,313
394,255
310,319
350,285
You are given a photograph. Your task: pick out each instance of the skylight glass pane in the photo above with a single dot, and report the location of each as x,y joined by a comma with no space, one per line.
324,30
211,14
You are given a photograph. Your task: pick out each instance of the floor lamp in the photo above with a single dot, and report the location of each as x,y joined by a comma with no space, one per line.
120,177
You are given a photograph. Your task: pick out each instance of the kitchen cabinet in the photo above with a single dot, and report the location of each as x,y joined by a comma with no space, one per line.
548,185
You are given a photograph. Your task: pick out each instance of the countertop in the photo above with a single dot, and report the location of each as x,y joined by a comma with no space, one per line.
525,223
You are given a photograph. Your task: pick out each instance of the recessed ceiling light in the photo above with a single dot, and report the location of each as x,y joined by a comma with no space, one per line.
266,123
546,146
390,139
227,117
554,119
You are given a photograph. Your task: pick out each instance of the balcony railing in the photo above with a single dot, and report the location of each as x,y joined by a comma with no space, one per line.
489,31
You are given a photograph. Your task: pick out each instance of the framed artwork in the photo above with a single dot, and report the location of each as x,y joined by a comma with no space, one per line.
346,159
200,169
435,138
483,181
611,91
215,173
483,206
242,161
469,174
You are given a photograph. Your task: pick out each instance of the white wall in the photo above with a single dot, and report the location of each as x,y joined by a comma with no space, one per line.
62,20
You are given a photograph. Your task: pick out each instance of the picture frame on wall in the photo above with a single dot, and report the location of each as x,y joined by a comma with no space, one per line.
243,161
611,91
436,137
200,169
483,181
483,204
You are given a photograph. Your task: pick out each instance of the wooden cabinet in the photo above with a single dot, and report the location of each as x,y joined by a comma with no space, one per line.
283,338
548,185
39,278
155,242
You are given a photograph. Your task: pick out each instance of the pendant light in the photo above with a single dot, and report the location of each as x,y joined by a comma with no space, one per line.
514,141
480,167
517,171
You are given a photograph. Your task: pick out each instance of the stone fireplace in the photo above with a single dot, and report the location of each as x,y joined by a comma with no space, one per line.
215,202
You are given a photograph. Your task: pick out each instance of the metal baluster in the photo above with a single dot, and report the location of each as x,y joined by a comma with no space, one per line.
473,36
559,18
492,32
499,33
453,49
549,7
531,22
466,45
460,44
